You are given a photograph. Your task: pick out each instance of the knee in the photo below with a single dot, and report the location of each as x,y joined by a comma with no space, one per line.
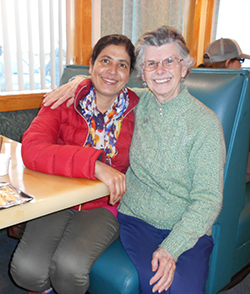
27,274
68,275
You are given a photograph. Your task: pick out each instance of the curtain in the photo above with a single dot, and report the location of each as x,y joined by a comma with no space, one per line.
135,17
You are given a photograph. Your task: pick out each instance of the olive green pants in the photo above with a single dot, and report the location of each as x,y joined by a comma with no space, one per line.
59,250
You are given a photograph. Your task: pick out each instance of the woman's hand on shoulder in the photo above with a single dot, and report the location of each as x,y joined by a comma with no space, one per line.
115,180
164,265
62,94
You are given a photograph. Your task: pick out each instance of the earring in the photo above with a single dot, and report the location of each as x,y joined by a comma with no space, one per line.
144,84
182,80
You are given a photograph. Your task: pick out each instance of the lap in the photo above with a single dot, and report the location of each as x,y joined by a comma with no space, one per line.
70,240
140,240
86,237
68,231
42,236
32,257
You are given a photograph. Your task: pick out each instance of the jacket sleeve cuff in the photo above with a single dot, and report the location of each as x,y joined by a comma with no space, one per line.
83,165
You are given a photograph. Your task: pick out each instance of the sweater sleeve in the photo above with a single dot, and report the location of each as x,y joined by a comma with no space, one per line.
206,168
50,148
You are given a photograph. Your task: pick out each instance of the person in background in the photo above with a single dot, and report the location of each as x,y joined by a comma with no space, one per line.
89,139
226,53
175,178
223,53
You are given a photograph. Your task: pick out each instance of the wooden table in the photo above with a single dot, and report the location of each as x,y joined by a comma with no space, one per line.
51,193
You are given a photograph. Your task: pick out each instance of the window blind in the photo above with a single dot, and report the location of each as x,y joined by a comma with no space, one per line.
32,43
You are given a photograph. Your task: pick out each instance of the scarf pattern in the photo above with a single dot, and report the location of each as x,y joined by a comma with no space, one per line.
104,128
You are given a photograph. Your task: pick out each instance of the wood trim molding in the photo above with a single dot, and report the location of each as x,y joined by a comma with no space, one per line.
209,23
199,27
82,45
12,101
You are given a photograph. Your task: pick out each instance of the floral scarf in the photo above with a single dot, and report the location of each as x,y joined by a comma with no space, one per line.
104,128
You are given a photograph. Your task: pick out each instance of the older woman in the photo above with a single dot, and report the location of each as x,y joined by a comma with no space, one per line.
175,179
90,139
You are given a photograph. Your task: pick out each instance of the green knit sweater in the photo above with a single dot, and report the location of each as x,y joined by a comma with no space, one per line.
175,178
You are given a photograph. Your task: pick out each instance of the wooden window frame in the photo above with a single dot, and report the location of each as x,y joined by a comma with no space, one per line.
13,101
198,27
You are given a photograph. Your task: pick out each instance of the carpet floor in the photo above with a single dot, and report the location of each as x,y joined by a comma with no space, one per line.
7,246
242,288
7,286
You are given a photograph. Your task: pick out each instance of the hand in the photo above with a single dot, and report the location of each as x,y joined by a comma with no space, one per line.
164,265
62,94
115,180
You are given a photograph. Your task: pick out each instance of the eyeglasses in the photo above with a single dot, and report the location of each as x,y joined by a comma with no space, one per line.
168,63
241,60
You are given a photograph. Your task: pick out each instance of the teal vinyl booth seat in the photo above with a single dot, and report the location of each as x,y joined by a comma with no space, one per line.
227,93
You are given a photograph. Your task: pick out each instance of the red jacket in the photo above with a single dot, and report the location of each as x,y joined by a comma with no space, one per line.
54,142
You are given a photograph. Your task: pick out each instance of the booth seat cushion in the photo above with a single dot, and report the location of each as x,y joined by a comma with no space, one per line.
243,233
120,273
242,247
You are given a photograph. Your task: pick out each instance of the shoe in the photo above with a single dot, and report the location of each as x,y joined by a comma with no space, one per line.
49,291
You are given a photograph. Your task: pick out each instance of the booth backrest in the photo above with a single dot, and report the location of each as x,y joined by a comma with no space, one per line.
227,93
74,70
210,86
14,123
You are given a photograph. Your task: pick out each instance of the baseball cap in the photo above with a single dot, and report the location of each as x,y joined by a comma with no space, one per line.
222,50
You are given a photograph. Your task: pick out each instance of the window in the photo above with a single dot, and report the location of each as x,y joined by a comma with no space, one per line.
233,23
32,44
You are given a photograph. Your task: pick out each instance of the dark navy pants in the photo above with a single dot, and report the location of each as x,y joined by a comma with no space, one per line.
140,240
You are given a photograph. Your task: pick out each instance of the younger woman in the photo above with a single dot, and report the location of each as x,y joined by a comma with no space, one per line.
90,139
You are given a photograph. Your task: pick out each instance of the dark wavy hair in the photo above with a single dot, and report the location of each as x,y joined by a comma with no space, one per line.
115,39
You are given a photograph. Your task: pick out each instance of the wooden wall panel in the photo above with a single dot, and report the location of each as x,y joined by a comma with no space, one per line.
82,44
198,27
209,22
